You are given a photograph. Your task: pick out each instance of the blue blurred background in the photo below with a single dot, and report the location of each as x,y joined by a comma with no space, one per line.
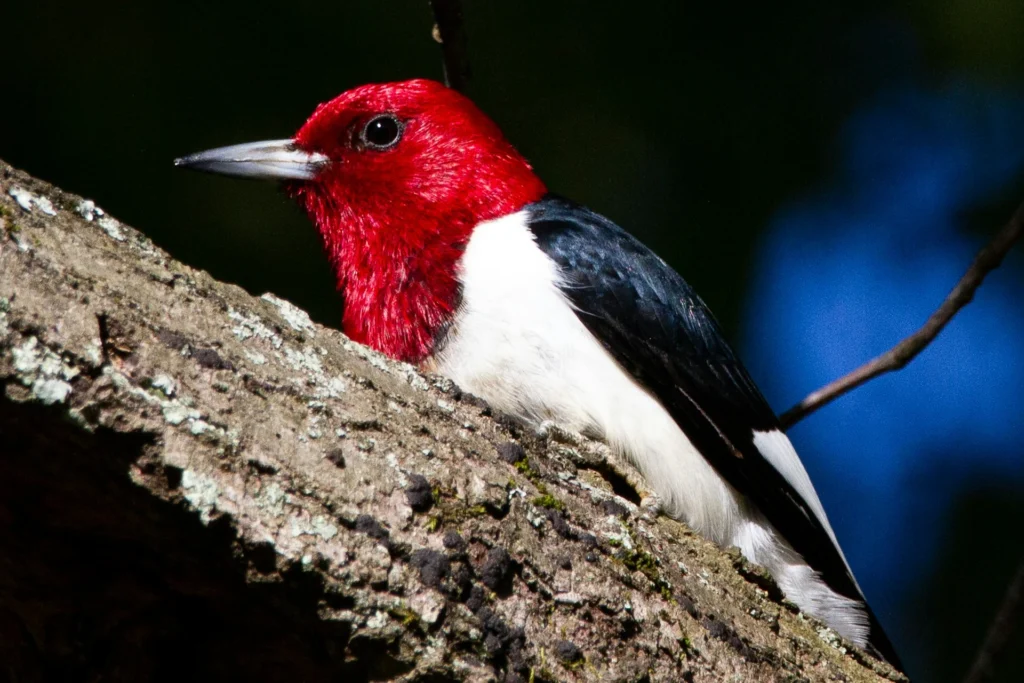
821,172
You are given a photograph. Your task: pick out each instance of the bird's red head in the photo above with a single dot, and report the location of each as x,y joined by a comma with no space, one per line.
395,176
412,168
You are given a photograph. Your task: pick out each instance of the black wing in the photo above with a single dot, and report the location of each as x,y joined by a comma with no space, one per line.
659,330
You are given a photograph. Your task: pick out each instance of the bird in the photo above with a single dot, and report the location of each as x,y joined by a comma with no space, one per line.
451,254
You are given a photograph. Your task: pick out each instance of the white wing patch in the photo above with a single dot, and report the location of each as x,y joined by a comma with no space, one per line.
778,450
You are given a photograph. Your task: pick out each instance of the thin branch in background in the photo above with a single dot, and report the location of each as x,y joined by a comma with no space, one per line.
450,32
987,260
999,632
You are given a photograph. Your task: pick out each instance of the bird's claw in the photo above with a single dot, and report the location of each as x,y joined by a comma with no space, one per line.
550,431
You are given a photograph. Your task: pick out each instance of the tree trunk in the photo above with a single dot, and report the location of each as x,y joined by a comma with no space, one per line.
198,483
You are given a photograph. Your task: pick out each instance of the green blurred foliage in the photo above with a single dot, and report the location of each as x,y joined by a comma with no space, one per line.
981,35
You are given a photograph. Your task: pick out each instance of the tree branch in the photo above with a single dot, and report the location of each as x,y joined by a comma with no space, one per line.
269,500
987,260
450,32
1000,630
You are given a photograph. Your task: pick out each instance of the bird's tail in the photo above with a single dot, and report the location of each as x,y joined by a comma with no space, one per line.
846,612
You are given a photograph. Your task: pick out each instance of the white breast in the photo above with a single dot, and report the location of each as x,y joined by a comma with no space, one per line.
517,343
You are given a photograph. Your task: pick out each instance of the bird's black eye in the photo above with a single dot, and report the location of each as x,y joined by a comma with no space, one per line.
382,132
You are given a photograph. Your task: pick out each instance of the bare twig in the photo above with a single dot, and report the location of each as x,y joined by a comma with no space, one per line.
987,260
1000,630
450,32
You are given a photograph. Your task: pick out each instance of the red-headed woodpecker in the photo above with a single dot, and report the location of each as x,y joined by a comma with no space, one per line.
451,254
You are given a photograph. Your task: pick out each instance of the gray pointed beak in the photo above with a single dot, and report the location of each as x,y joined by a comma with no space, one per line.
270,159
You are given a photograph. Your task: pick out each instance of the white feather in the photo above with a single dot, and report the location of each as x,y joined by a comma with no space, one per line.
778,450
517,343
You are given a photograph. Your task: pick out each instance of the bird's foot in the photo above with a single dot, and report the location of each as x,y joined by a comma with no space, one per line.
650,503
617,466
550,431
598,456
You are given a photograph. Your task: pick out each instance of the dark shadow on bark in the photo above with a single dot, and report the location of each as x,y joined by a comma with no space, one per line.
101,580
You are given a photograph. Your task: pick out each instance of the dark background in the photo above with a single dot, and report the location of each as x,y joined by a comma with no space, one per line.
821,172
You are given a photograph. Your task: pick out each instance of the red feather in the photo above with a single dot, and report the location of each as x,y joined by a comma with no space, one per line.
395,222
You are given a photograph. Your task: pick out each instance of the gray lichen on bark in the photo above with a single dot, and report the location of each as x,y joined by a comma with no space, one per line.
193,479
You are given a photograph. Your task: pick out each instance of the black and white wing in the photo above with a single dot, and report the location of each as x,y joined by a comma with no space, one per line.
660,332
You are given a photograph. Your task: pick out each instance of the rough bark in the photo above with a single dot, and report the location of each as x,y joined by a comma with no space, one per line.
198,483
